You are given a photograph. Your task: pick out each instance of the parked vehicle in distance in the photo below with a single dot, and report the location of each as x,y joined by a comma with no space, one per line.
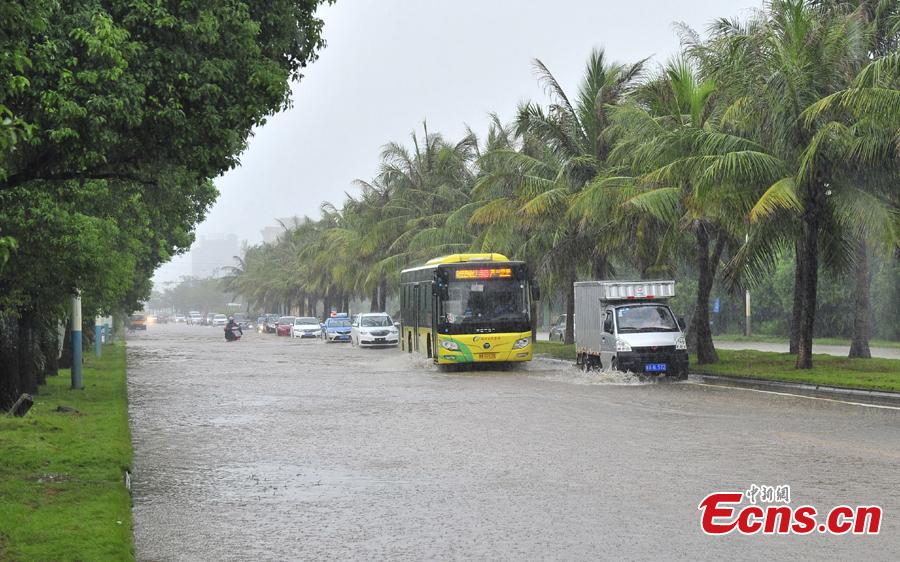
219,320
208,321
270,321
306,327
195,318
373,329
627,326
180,319
558,329
241,320
137,322
337,329
283,325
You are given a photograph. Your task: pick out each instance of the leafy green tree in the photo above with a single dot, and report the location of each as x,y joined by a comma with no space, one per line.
115,118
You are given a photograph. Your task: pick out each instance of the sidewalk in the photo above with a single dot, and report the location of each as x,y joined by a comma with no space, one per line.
836,350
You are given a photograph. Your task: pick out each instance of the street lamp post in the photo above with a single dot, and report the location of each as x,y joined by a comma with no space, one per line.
76,342
98,335
747,330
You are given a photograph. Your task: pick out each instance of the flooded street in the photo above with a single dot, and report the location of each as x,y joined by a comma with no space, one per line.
277,449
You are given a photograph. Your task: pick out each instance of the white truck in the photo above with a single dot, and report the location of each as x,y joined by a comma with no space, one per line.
627,326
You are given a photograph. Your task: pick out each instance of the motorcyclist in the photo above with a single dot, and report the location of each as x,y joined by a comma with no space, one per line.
231,328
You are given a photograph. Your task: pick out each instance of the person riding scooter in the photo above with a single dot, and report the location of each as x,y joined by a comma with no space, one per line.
231,328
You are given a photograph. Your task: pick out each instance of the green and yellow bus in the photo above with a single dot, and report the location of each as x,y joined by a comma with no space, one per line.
468,308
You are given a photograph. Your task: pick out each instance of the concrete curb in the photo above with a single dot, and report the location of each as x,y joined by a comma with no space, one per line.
877,397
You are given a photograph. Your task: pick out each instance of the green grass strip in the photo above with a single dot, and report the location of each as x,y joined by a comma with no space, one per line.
555,349
828,370
62,494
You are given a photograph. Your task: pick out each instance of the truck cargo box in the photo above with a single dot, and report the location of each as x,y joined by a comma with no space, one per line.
627,290
591,296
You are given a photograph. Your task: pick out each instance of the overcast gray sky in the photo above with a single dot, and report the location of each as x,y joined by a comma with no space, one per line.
391,64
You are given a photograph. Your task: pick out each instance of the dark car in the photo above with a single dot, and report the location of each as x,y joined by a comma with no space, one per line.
271,321
241,320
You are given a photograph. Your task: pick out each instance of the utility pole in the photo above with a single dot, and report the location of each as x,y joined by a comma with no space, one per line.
98,335
747,330
76,342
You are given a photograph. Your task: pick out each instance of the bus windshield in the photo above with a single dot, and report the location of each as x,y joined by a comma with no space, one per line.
488,305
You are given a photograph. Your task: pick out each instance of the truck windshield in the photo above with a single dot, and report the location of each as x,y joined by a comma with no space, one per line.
489,305
645,318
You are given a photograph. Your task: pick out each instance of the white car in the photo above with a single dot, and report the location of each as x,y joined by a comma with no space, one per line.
180,319
195,318
374,329
306,327
219,320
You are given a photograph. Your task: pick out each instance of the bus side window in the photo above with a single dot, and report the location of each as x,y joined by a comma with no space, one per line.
423,292
426,291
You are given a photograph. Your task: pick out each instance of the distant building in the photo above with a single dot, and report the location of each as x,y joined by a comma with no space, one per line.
212,254
271,233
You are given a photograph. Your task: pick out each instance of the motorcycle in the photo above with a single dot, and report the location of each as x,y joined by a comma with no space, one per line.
233,333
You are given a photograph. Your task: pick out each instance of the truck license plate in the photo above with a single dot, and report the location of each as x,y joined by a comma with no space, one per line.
487,355
655,367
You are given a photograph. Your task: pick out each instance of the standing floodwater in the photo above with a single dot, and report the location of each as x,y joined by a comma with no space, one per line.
271,448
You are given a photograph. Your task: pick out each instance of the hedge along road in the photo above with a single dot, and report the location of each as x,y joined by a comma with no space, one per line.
270,448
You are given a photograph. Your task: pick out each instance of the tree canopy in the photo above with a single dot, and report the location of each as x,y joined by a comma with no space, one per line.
115,119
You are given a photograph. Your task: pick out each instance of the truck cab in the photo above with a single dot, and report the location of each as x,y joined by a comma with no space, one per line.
627,326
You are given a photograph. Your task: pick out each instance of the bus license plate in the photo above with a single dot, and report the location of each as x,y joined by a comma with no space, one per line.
487,355
655,367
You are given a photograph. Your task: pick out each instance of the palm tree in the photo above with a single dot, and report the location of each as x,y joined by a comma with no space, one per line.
779,64
659,134
563,147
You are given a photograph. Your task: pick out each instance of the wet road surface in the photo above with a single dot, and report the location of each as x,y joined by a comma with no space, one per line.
277,449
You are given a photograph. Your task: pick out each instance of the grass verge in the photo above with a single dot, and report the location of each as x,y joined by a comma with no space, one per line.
62,494
555,349
828,370
816,341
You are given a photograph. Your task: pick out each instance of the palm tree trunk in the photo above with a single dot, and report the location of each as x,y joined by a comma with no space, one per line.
700,336
570,305
795,310
809,275
326,309
373,304
859,345
600,267
382,306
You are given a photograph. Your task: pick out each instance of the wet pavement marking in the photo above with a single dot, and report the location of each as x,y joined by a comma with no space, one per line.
864,405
